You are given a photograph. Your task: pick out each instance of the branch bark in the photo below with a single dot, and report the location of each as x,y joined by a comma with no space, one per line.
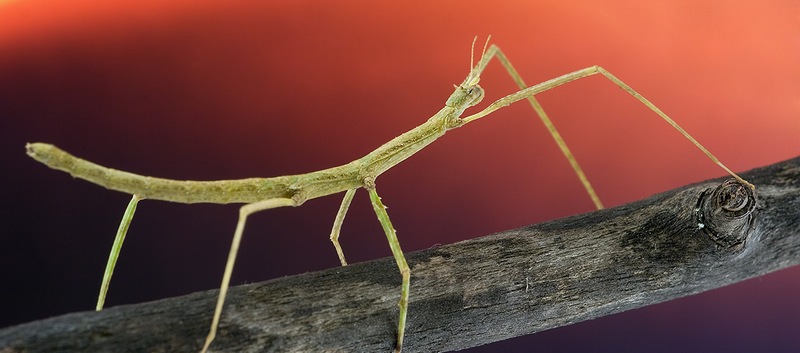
478,291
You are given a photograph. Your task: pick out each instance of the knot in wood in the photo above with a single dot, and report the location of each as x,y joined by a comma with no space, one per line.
726,214
736,198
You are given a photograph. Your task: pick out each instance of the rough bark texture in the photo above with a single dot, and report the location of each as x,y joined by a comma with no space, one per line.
478,291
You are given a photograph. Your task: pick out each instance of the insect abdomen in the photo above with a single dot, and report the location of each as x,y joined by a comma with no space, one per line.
183,191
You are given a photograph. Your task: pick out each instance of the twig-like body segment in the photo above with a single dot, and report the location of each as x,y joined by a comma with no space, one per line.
478,291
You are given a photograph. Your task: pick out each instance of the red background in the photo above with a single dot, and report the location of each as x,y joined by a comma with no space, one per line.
205,90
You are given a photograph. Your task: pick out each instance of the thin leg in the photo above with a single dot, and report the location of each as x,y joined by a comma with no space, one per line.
245,211
394,244
550,127
669,121
575,75
337,224
124,224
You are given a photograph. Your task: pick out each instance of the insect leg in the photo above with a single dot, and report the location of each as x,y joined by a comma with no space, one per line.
124,224
245,211
549,125
394,244
589,71
669,121
337,224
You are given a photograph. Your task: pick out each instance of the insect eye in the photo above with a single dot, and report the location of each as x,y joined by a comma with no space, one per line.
473,90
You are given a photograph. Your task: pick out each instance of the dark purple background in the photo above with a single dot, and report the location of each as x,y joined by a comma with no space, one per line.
204,90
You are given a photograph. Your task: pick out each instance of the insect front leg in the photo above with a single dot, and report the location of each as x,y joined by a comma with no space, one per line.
586,72
474,77
405,271
551,128
245,211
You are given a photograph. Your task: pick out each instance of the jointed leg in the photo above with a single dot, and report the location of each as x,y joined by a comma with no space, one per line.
549,125
124,224
337,224
589,71
669,121
493,52
394,244
245,211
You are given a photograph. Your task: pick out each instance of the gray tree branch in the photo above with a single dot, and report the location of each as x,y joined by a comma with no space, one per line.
684,241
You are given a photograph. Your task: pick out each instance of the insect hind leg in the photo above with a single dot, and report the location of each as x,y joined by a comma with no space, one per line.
116,248
244,212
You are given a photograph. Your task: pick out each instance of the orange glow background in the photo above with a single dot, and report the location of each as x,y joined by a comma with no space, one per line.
211,90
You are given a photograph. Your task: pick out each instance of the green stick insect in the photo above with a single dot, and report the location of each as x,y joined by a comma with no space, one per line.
261,194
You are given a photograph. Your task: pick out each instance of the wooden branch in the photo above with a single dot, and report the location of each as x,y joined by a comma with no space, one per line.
678,243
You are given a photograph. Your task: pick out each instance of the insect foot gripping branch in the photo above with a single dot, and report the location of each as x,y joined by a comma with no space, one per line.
726,213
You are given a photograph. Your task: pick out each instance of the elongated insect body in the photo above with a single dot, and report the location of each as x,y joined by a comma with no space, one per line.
292,190
302,186
183,191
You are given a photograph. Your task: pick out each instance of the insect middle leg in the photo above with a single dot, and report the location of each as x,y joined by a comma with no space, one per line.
405,271
337,224
245,211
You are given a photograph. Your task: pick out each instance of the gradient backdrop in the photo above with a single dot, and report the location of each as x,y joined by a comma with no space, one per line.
205,90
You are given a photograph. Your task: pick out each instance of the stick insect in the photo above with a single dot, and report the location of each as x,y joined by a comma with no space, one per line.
261,194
